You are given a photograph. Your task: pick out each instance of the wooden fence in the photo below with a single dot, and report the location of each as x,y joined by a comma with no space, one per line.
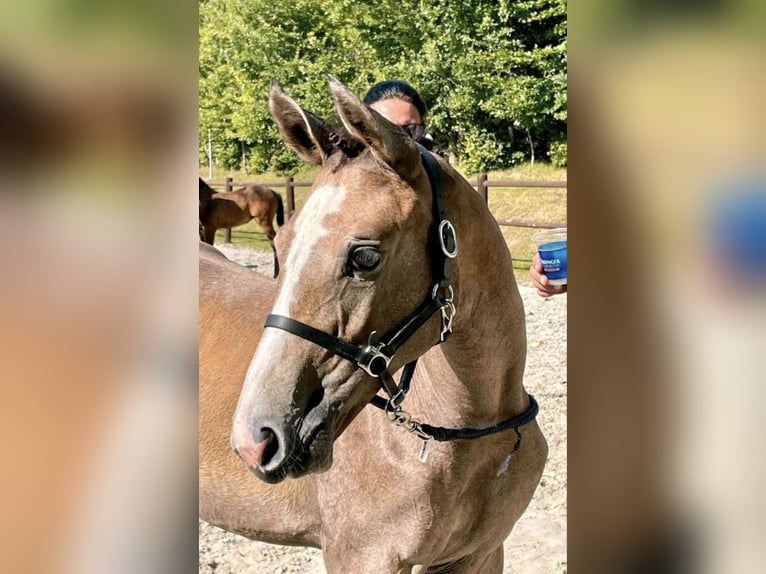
482,186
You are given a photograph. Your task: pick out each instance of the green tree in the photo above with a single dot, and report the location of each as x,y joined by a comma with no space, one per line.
494,73
497,74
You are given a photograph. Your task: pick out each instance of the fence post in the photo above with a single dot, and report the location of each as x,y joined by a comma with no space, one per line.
290,191
481,186
227,231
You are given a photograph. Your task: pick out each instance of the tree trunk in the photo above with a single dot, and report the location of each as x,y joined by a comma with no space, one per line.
531,146
451,155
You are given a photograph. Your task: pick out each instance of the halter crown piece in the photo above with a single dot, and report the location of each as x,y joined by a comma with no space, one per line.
375,357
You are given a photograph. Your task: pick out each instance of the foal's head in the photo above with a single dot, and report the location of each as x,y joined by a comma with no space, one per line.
356,260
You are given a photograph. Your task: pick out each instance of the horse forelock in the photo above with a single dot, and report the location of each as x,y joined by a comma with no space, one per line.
343,142
347,148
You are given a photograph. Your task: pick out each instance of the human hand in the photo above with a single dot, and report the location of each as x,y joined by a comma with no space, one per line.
540,281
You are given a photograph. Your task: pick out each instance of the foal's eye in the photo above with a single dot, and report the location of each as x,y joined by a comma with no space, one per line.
364,258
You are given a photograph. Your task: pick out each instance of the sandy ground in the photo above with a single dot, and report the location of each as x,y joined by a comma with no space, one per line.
538,543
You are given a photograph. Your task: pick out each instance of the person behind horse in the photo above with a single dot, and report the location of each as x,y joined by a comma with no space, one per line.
401,104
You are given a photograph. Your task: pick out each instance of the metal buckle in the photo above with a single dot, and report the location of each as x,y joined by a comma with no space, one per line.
395,401
445,225
376,361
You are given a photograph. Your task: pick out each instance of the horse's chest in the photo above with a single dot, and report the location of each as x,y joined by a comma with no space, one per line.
377,491
372,490
381,493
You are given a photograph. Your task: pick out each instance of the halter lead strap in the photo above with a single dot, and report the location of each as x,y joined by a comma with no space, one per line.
427,431
445,434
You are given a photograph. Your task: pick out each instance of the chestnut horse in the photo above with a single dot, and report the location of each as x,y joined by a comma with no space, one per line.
225,209
371,281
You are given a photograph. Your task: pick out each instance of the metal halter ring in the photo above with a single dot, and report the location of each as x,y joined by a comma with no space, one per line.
401,418
451,234
375,361
450,293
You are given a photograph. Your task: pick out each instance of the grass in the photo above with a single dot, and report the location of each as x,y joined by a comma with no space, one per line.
537,204
548,205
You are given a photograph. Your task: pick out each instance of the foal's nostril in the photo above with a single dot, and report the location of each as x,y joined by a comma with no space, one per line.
267,439
263,434
257,448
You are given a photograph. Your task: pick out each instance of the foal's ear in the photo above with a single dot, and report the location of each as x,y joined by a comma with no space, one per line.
304,132
386,140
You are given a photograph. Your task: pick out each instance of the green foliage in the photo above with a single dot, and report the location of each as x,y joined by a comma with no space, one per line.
492,71
480,151
558,153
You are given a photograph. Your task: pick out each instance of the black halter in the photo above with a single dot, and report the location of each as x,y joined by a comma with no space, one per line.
375,357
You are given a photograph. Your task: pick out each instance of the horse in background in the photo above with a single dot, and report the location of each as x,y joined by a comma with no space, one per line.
225,209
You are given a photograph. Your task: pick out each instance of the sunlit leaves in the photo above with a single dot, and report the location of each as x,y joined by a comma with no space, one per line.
493,73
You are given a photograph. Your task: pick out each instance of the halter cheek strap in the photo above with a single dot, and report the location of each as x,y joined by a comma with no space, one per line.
375,357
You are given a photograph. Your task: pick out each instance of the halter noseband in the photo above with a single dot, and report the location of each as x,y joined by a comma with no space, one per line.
375,357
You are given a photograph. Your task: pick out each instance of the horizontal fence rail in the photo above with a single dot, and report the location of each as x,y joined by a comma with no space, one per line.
482,185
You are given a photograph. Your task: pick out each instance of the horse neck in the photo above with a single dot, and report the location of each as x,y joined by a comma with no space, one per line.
487,349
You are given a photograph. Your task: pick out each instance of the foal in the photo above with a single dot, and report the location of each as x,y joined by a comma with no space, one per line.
364,259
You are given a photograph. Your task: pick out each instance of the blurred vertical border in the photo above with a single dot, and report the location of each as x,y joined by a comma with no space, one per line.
98,288
666,286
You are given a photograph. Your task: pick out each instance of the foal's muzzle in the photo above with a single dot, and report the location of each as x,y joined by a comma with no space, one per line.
275,449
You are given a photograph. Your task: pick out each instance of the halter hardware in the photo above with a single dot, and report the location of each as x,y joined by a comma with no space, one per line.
374,361
447,239
448,311
375,357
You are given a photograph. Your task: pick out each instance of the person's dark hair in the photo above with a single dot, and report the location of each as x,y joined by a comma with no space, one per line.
396,89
